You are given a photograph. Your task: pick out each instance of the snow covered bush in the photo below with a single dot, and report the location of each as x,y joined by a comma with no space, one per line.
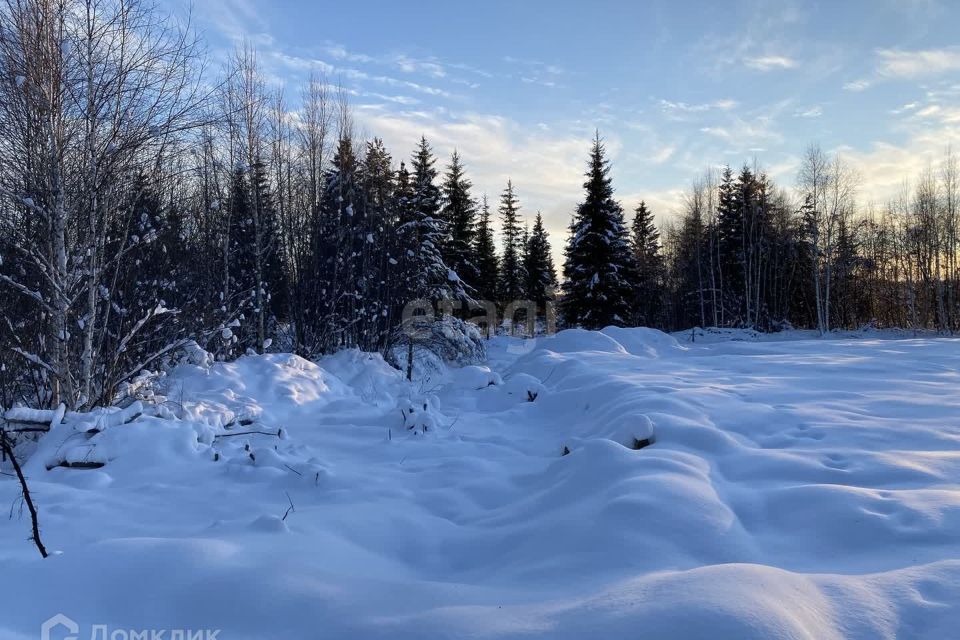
420,415
430,343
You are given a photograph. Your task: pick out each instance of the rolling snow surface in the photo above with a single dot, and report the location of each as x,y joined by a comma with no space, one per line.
794,488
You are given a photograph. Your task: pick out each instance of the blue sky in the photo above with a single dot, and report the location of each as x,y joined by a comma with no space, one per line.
673,87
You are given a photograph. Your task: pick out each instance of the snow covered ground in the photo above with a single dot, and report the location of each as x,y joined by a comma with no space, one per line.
795,488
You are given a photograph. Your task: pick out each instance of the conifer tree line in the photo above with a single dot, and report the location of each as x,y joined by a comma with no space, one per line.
746,252
153,209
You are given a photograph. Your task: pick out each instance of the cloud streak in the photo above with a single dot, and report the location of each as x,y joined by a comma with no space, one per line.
899,63
769,63
673,108
857,85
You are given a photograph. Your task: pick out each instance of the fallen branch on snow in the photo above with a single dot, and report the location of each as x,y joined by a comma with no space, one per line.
278,434
25,490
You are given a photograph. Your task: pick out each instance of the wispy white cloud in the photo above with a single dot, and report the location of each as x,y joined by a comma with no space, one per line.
910,106
235,19
764,41
395,99
664,154
671,107
429,66
744,135
413,65
304,63
945,114
857,85
903,64
769,62
665,204
900,63
884,167
546,67
339,52
536,71
812,112
543,83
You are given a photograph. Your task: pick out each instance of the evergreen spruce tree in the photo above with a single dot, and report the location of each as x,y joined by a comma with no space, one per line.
757,200
162,263
459,214
538,265
524,245
257,274
729,246
512,277
649,264
598,274
162,271
402,254
487,262
843,289
241,276
422,232
690,270
744,239
342,209
273,266
378,245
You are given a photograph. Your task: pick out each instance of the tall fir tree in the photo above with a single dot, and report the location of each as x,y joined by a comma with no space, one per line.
649,265
401,256
538,265
257,275
379,242
512,276
459,214
242,279
422,232
745,204
690,271
487,261
598,274
844,290
162,265
729,247
162,272
273,265
342,208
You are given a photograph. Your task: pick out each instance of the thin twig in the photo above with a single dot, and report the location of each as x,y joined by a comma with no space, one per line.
8,449
290,509
248,433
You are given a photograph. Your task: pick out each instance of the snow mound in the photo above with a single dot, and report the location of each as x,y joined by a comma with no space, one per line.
578,341
368,374
638,341
642,341
265,387
524,386
269,524
474,377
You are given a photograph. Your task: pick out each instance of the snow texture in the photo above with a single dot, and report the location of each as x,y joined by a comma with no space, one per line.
652,487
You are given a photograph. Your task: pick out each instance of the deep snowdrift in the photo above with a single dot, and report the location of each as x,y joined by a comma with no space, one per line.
793,489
